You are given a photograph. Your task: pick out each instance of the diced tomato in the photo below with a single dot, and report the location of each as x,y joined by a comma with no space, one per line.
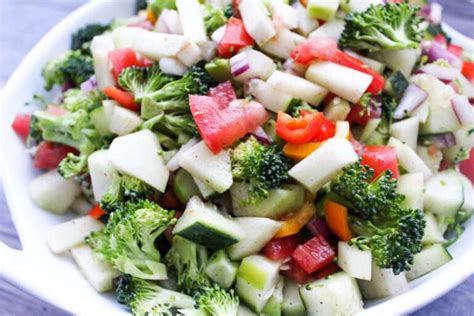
224,92
381,158
21,125
325,49
455,49
123,58
326,271
123,98
468,70
296,272
281,248
48,155
314,254
221,125
96,212
310,126
361,115
235,37
441,39
467,166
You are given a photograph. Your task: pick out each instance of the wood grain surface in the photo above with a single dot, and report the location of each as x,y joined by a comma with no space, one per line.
24,22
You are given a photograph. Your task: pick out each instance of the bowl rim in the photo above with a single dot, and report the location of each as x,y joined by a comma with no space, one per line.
430,287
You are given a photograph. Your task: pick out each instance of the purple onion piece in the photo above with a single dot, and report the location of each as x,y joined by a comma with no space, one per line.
436,51
89,85
432,12
463,110
443,140
318,226
261,136
441,72
413,97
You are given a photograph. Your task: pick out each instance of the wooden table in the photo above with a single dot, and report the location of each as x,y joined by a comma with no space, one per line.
24,22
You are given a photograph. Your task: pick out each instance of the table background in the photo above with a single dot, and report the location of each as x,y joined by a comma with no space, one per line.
24,22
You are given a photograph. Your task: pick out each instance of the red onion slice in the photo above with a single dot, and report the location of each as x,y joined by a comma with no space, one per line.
413,97
442,140
441,72
261,136
173,164
463,109
318,226
89,85
435,51
239,64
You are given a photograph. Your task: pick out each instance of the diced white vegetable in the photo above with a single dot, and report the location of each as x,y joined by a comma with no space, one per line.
214,170
53,193
358,6
343,130
205,190
258,230
256,21
99,273
408,159
369,129
218,34
251,64
282,43
172,66
284,13
81,205
345,82
121,120
305,24
208,50
190,55
331,29
468,189
429,259
297,87
156,45
123,37
101,172
383,283
271,98
357,263
432,232
406,131
323,163
72,233
401,59
100,47
337,110
322,10
411,185
431,156
372,63
138,155
169,22
192,21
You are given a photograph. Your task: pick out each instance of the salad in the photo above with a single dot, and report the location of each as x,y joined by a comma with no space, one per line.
256,157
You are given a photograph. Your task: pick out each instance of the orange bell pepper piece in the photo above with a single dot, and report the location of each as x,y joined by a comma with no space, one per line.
299,151
337,219
150,16
295,222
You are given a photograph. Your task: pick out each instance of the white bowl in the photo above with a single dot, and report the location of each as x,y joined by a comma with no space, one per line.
56,279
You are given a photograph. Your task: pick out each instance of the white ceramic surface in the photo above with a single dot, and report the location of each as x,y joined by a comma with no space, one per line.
56,279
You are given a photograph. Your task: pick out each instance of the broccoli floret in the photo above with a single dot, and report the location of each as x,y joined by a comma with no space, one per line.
76,99
156,6
391,232
35,135
70,68
188,261
127,241
214,18
296,106
385,26
81,40
140,5
263,167
229,11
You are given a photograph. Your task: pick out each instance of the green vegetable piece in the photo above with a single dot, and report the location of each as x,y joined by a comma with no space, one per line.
219,69
184,186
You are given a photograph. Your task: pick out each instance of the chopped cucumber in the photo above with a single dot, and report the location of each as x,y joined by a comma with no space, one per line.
411,185
121,121
305,24
408,159
401,59
169,22
172,66
355,262
271,98
257,278
101,45
192,22
81,205
337,294
337,110
219,69
285,13
324,163
213,170
101,172
205,225
100,121
221,270
138,155
190,55
429,259
260,65
64,236
464,141
432,234
205,190
279,202
322,10
282,43
292,304
431,156
369,130
396,85
331,29
349,6
259,231
383,283
156,45
372,63
273,306
53,193
256,21
406,131
444,193
184,187
468,204
123,37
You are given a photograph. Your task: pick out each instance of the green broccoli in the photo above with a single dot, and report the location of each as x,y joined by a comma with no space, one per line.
128,239
81,40
70,68
229,11
391,232
76,99
384,26
140,5
296,106
188,261
147,298
263,167
214,18
35,135
156,6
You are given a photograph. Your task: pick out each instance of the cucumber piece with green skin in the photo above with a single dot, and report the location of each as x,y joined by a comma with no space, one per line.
100,121
219,69
429,259
337,294
256,280
369,130
221,270
396,84
468,204
444,194
322,10
205,190
279,202
337,110
273,306
406,131
259,231
292,304
383,283
355,262
432,233
411,185
203,224
184,187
